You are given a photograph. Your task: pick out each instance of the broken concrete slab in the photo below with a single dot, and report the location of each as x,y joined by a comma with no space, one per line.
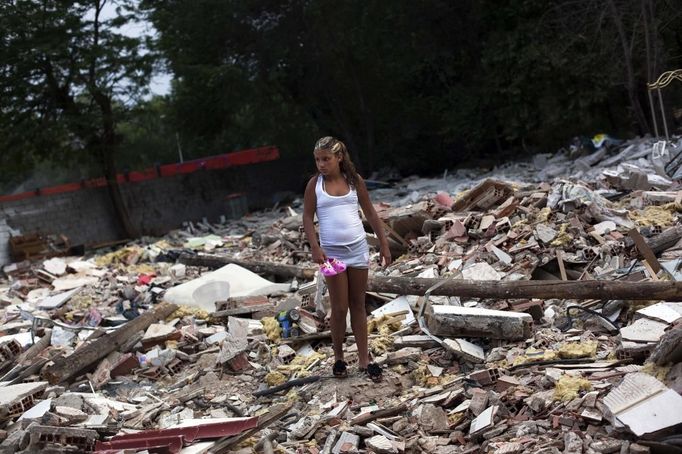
666,312
644,404
159,332
545,233
382,445
481,271
231,348
70,282
398,305
465,350
453,321
58,300
55,266
485,195
644,330
347,442
229,281
38,410
432,418
16,399
483,421
404,355
72,415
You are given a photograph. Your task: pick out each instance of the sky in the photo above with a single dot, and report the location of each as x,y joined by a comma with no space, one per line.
160,83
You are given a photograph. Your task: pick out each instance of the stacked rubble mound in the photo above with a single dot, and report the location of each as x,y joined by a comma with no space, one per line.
533,308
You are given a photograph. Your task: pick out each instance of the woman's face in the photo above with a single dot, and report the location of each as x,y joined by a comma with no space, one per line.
327,162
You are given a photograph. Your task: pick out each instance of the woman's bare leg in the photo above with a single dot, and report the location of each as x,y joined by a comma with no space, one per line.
338,294
357,286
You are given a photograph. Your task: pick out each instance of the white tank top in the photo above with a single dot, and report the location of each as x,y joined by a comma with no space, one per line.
340,223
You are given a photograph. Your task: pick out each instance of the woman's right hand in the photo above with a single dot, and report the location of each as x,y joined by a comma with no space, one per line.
318,255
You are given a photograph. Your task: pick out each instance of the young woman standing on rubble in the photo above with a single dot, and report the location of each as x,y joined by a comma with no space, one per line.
334,195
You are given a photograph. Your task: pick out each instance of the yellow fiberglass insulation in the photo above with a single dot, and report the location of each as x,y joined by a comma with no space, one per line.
534,355
272,329
568,387
661,216
275,378
543,214
380,345
306,361
184,311
562,238
660,372
570,350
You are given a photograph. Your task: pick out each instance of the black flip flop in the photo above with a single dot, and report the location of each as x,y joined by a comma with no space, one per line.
340,368
374,372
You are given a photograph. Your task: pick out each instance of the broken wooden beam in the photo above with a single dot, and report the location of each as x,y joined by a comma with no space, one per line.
277,269
85,357
233,312
400,285
35,349
645,250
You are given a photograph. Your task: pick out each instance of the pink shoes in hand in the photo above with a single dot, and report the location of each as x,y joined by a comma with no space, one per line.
332,267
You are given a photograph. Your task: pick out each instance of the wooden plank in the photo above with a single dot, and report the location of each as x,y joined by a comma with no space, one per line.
85,357
278,269
645,250
242,310
560,261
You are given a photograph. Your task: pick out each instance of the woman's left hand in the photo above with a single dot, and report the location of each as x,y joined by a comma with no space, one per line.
385,254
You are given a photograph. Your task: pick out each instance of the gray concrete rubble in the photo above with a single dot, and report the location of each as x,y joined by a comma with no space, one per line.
215,337
454,321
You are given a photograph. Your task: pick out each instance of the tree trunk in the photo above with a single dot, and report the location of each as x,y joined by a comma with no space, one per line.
630,79
659,290
106,158
107,139
122,215
607,290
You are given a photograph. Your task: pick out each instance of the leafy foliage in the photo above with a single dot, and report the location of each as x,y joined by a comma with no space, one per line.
67,76
415,85
418,86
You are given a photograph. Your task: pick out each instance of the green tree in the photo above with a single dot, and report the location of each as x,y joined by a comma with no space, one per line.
417,85
68,75
147,137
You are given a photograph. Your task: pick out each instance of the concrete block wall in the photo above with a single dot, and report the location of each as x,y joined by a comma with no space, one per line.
155,206
4,240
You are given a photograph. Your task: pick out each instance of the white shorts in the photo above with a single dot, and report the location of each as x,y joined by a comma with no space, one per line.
354,255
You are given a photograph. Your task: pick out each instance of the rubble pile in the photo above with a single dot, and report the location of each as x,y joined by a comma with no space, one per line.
531,308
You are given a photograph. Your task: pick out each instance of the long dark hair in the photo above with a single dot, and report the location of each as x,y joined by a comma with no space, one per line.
335,146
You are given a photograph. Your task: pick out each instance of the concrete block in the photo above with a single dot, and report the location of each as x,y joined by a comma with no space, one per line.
16,399
485,377
53,436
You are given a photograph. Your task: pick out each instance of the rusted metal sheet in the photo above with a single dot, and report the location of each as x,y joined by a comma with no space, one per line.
175,438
